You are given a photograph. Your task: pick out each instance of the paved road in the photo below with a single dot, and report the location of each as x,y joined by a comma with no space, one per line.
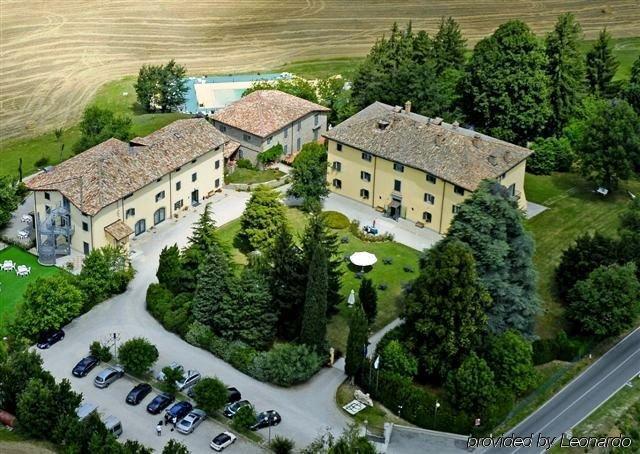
582,396
307,410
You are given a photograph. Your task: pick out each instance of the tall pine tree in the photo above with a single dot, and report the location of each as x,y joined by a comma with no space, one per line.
632,89
314,315
491,223
169,271
287,284
445,312
566,71
449,46
602,66
356,342
213,287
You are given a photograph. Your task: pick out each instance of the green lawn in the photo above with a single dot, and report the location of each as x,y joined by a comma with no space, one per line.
45,145
392,275
321,68
12,287
573,209
250,176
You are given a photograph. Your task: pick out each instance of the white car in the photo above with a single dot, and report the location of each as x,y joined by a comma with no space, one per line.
173,365
191,378
222,441
189,423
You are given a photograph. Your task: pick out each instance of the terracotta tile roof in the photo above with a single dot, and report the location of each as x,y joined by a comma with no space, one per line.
119,230
458,155
230,147
264,112
109,171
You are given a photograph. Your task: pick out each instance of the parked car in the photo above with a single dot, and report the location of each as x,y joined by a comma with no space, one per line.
47,338
178,411
191,378
108,376
173,365
159,403
266,419
113,426
138,393
85,409
230,410
222,441
84,366
233,395
189,423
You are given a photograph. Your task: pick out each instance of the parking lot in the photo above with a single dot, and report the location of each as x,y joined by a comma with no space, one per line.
137,423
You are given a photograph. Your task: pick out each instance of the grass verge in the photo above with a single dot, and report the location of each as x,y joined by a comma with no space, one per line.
250,176
374,417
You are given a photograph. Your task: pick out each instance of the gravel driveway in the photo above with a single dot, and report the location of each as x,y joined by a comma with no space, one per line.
307,410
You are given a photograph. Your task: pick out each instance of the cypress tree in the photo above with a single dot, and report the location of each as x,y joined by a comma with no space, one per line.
602,66
314,316
169,271
356,342
368,297
213,287
565,68
287,284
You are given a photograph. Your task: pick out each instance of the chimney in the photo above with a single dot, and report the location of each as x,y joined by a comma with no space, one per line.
383,124
493,160
437,121
476,141
455,125
407,107
507,155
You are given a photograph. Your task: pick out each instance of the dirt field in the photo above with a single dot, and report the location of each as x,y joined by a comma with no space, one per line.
55,54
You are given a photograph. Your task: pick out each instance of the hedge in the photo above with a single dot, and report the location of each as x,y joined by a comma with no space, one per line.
173,312
284,365
561,348
355,229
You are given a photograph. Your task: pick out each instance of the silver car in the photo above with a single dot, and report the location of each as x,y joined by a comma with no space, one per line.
173,365
191,378
189,423
108,376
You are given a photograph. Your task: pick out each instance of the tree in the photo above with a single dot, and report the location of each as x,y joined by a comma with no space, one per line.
48,303
170,272
99,125
262,219
213,287
334,95
271,155
8,200
609,146
607,302
161,87
356,342
309,176
314,315
287,283
20,366
368,297
550,154
565,69
580,259
316,233
210,394
282,445
100,351
244,418
471,386
296,86
504,66
491,223
602,66
175,447
445,313
170,377
449,46
511,358
396,359
248,315
105,272
137,355
632,89
629,232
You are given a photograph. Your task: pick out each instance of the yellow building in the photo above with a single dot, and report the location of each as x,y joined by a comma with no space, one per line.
117,189
418,168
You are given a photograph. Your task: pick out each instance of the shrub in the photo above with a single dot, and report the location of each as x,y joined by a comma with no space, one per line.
170,377
271,155
550,154
354,228
102,352
335,220
286,364
105,272
561,348
281,445
395,358
245,164
244,418
42,162
137,355
210,394
158,301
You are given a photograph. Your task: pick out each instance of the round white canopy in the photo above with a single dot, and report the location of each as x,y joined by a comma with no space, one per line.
363,258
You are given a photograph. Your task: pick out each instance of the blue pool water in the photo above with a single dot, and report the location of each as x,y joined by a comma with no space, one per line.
226,96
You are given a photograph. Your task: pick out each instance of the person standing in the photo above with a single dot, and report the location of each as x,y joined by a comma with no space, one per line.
159,428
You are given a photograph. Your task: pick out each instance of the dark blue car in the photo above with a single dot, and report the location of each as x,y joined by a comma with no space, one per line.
178,411
159,403
84,366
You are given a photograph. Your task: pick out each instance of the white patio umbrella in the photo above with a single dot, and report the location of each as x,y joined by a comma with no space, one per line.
363,259
352,298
